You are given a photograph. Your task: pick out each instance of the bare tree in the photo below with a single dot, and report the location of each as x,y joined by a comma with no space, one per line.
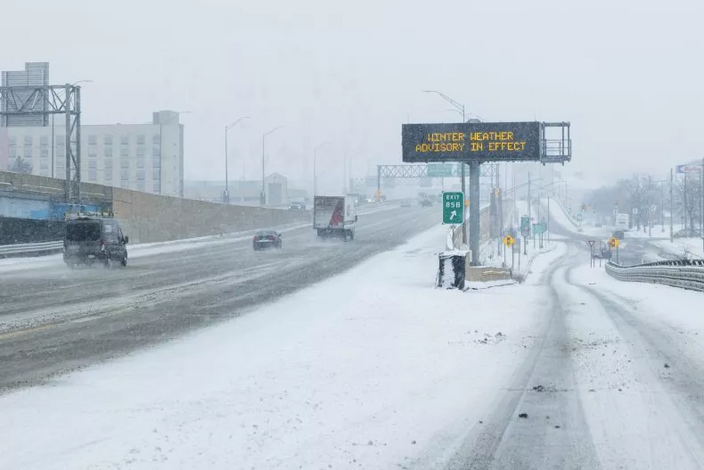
19,165
689,200
640,193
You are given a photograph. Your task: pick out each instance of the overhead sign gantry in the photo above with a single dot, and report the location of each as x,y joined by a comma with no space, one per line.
475,143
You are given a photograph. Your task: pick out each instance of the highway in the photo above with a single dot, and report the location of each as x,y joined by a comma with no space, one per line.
55,320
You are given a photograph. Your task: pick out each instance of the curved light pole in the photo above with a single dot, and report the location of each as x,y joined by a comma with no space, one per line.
226,196
262,197
315,163
459,107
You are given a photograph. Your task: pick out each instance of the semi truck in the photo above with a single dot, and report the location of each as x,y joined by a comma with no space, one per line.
335,216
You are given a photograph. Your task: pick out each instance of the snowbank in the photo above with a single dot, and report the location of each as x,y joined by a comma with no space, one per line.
372,369
683,247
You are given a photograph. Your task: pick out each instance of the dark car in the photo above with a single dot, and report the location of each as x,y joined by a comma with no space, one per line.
427,202
89,240
297,206
619,234
267,239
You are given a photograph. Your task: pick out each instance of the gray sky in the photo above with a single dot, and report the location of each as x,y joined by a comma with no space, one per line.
628,75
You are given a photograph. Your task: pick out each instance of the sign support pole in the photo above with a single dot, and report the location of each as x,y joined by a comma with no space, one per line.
684,195
464,191
701,204
672,205
474,173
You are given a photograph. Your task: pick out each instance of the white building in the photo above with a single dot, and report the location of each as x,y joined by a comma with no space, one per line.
142,157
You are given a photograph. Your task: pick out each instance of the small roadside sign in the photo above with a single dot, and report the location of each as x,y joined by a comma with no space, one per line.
689,169
452,208
508,240
614,242
591,242
525,226
540,228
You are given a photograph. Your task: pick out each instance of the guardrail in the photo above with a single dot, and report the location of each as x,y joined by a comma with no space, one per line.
31,249
686,274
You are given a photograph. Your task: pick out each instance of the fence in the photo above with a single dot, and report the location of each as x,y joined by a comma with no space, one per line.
686,274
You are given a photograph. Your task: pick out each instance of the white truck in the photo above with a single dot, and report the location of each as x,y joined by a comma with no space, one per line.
621,222
335,216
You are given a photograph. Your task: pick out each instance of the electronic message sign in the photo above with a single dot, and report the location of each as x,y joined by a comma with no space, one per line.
468,142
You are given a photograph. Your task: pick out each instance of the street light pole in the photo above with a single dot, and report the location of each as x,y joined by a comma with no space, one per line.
460,108
262,197
226,196
315,165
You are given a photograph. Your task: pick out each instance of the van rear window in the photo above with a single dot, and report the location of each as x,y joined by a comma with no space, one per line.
83,231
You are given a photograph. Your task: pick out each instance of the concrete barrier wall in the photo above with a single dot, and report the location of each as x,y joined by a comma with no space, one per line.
51,187
150,218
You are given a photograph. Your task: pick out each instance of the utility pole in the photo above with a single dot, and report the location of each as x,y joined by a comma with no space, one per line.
662,208
53,149
672,205
529,211
262,197
226,195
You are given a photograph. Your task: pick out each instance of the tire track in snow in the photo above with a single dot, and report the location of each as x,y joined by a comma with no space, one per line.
554,434
677,390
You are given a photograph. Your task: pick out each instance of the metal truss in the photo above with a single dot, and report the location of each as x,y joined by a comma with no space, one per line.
421,171
43,101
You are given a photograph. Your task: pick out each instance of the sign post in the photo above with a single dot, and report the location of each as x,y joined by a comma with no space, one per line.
508,241
591,250
452,208
614,243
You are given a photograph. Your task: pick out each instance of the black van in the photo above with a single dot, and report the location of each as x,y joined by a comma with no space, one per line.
88,240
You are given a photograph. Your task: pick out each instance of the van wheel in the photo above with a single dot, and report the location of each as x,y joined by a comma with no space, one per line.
123,263
351,235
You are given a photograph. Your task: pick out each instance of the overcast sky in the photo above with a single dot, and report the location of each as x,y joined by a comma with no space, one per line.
627,74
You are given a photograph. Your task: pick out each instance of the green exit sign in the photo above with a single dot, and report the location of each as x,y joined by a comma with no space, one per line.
439,170
452,208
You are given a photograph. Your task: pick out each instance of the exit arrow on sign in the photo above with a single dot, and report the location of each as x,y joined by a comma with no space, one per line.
453,214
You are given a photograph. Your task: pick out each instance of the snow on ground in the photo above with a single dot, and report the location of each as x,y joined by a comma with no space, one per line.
684,247
628,386
371,369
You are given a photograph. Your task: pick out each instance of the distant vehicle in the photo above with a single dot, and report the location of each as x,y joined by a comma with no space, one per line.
335,216
621,222
267,239
297,206
619,234
94,238
406,203
426,202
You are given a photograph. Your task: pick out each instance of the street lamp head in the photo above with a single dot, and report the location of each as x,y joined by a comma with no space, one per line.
273,130
236,122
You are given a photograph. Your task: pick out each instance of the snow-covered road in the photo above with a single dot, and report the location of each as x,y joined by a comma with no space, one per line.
375,369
